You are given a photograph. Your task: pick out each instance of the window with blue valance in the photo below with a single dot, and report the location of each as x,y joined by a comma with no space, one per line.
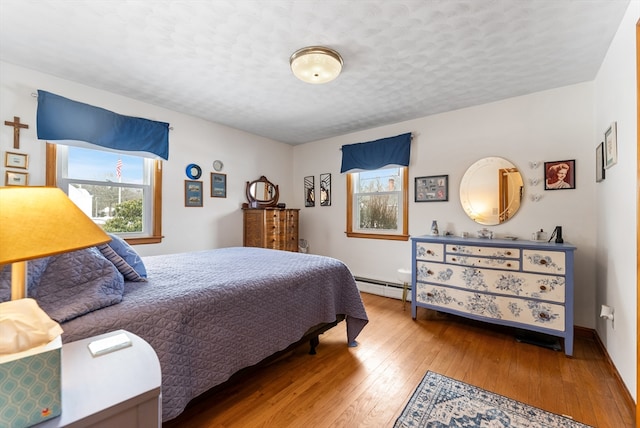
62,119
391,151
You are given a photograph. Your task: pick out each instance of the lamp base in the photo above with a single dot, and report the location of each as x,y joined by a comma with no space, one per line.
18,280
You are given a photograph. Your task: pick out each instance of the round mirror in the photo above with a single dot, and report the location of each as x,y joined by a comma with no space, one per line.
262,193
491,191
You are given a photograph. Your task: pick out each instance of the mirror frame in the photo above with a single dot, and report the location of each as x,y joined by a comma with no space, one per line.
494,164
258,203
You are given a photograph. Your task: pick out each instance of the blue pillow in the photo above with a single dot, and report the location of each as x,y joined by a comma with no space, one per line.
127,252
123,267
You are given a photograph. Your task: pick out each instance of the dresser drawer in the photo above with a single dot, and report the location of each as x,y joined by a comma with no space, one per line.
517,284
471,250
460,259
544,261
523,311
430,251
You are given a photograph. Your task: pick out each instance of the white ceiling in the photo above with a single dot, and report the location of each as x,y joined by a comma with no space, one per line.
228,61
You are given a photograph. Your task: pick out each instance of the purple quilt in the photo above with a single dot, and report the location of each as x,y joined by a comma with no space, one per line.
211,313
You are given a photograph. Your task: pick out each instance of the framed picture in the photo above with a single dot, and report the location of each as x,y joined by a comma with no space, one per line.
325,190
611,146
192,193
309,191
434,188
600,162
218,185
560,175
13,178
16,160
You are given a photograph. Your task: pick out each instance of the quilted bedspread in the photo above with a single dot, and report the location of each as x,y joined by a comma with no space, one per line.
211,313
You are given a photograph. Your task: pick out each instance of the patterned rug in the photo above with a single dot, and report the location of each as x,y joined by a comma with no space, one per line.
440,401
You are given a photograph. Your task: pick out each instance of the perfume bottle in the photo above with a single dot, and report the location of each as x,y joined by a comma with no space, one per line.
434,228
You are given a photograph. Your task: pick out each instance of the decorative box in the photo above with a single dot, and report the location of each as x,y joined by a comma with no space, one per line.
30,385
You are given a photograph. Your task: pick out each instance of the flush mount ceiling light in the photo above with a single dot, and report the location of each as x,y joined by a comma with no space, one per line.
316,64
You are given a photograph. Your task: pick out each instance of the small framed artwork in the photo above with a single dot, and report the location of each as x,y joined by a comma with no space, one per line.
434,188
600,162
325,190
16,160
611,146
192,193
218,185
309,191
13,178
560,175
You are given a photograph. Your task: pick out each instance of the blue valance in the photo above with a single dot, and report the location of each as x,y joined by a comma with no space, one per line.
60,118
377,154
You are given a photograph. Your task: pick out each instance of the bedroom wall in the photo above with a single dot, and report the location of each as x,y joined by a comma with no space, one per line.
246,157
616,255
545,126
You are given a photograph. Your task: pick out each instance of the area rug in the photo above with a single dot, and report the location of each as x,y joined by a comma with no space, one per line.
440,401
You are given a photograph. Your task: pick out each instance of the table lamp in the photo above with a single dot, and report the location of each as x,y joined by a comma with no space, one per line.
40,222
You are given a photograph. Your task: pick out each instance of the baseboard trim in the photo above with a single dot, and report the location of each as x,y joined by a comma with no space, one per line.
593,334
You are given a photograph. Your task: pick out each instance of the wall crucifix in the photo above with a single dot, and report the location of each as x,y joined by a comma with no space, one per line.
16,130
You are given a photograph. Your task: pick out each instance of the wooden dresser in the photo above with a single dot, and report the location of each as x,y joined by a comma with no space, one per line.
522,284
271,228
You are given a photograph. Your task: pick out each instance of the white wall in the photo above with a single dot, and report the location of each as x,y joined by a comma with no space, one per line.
246,157
545,126
616,255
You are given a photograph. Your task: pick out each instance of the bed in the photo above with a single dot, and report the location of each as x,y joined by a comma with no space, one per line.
207,314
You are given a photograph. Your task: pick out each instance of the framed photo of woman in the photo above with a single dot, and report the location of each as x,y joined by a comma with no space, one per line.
560,175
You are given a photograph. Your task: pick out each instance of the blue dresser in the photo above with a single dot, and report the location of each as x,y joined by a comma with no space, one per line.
523,284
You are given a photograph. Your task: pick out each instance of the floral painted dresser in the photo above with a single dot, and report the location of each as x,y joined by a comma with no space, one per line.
523,284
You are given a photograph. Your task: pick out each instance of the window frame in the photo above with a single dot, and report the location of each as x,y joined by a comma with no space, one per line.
351,217
51,180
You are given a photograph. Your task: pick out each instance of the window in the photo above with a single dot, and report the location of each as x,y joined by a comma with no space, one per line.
120,192
377,205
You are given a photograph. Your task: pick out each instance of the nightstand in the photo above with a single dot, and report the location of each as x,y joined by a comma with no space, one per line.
118,389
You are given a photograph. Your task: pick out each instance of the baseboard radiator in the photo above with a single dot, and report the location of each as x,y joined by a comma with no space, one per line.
382,288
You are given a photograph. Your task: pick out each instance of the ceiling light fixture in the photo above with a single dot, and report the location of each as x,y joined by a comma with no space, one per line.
316,64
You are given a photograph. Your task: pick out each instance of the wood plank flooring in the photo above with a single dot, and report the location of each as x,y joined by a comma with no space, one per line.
369,385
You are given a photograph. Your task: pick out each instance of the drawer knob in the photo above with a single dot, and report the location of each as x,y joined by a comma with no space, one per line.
508,264
454,248
454,259
544,315
429,252
508,253
429,294
543,262
429,272
543,288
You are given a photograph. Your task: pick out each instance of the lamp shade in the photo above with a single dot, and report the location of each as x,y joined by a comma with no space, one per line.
316,64
42,221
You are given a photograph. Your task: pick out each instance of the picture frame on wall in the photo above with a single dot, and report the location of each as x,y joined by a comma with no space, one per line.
560,175
434,188
16,160
192,193
15,178
600,174
218,185
611,145
309,191
325,190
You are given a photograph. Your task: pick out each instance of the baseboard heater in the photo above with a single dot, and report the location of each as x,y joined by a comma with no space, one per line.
379,282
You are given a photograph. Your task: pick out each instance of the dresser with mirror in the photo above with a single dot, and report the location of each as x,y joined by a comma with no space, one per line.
266,223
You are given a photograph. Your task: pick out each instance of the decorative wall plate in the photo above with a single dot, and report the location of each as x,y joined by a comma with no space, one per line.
217,165
193,171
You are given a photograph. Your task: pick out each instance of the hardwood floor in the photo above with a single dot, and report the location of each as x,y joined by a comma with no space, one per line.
369,385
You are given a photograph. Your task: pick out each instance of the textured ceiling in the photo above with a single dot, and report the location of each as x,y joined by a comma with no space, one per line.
228,61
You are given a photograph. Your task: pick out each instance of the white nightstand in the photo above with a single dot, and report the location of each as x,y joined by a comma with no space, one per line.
119,389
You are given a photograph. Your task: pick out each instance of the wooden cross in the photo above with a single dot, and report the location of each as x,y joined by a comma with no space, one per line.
16,130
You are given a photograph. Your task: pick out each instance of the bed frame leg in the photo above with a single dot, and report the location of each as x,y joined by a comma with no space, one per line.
313,342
